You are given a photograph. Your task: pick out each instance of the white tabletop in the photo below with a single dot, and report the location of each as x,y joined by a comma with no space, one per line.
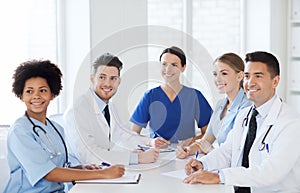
153,180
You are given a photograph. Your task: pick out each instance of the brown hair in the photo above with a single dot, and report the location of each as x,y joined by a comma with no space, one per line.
176,51
233,61
107,59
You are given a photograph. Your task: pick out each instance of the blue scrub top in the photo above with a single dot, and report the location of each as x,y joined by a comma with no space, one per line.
31,157
172,120
220,128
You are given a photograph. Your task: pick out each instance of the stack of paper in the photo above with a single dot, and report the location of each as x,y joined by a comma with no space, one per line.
131,178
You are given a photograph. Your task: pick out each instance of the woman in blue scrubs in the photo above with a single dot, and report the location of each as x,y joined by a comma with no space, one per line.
229,73
172,108
37,154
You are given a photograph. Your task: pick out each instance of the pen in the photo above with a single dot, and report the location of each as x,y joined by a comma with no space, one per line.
197,154
105,164
267,147
142,147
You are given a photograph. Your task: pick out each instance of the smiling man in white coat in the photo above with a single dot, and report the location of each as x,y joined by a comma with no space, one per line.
94,131
273,161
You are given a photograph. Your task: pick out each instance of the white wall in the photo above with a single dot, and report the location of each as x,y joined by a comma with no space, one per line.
74,42
266,29
94,27
106,26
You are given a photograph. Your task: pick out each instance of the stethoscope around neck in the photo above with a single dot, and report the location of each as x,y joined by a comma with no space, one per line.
35,127
263,143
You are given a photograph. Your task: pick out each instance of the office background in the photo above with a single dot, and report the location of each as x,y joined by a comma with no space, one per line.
72,33
66,32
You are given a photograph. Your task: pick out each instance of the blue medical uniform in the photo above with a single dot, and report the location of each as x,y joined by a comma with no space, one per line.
220,128
172,120
31,157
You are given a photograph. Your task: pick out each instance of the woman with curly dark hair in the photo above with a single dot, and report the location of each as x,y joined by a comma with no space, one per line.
37,153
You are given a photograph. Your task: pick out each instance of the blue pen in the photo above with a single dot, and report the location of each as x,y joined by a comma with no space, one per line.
197,154
267,147
143,147
105,164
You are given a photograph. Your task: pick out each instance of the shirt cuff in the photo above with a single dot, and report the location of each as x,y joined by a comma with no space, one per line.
221,176
134,159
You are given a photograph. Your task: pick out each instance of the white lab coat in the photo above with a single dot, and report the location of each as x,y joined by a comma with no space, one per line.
87,133
275,171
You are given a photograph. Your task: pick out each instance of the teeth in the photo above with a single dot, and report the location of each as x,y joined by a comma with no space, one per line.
37,103
106,89
252,90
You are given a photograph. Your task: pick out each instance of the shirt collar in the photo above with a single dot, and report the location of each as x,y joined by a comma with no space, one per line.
237,100
101,104
264,109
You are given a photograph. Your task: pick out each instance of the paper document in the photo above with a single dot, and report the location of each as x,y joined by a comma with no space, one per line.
163,159
162,150
180,174
169,149
132,178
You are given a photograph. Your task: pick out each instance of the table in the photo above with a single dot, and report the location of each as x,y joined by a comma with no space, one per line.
153,180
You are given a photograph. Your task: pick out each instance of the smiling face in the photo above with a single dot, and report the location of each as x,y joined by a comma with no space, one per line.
106,81
171,67
258,83
36,96
227,79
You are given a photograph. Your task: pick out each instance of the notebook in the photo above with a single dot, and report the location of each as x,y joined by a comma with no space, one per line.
130,178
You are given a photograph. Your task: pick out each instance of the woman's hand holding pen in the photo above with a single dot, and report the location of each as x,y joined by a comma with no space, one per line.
148,156
183,152
159,142
115,171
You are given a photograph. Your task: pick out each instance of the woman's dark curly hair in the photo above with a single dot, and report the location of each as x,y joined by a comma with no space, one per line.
37,68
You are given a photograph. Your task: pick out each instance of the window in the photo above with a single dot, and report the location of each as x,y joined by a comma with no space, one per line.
215,24
28,32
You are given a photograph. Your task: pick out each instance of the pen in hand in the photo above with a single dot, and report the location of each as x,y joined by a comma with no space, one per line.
143,147
194,167
105,164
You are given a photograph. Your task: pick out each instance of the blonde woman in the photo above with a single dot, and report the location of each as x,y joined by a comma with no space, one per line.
229,73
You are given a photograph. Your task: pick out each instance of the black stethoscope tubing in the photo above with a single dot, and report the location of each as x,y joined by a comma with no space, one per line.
263,144
62,139
245,123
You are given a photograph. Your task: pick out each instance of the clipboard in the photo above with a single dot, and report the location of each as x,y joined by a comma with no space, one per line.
125,179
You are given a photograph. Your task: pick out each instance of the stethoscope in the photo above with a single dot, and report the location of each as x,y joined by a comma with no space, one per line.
52,154
263,143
